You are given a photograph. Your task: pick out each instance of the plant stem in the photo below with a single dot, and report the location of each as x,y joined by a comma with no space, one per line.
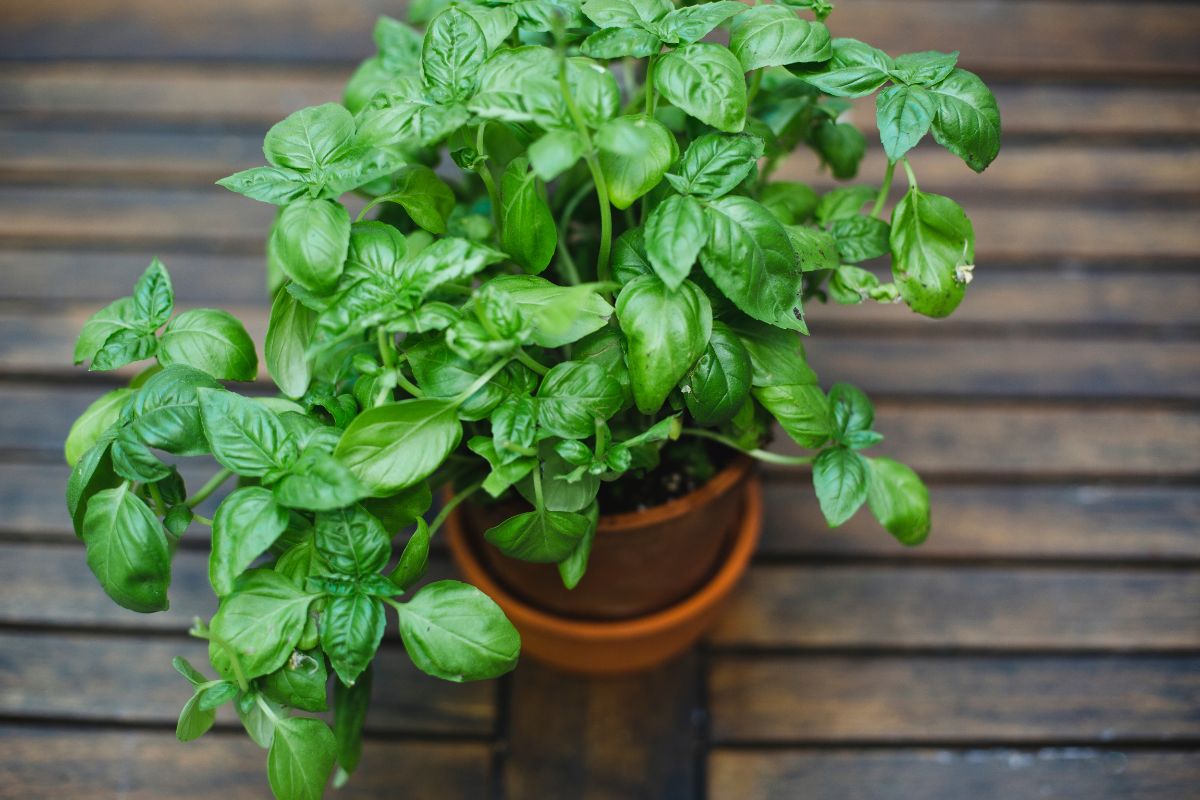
450,505
651,100
266,709
761,455
481,381
489,182
570,272
881,198
208,635
532,363
912,179
202,520
387,348
156,496
407,385
755,82
602,270
537,486
207,489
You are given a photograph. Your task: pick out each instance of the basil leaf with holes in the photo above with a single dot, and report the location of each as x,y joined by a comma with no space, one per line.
127,550
289,334
93,422
675,232
861,238
165,413
455,632
967,122
261,622
840,480
714,164
210,340
527,230
451,56
394,446
299,683
301,758
705,81
353,542
666,332
634,152
311,137
903,115
750,259
573,396
801,409
933,252
244,436
899,500
719,383
352,627
773,36
247,522
308,241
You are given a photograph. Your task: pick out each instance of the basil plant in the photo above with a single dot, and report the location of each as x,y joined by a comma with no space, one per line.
572,271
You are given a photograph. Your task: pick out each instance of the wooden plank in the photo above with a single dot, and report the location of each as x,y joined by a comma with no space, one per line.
1099,37
46,762
982,774
895,606
1132,523
129,679
624,738
919,699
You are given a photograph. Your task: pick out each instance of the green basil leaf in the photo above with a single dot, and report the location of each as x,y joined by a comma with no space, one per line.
860,238
675,232
504,472
289,333
194,721
559,314
750,258
308,241
153,297
814,249
261,622
692,23
773,36
244,436
217,695
899,500
301,758
400,510
801,409
562,488
496,23
275,185
442,373
414,558
104,324
572,568
527,229
854,70
394,446
719,383
606,347
405,123
925,68
455,632
715,164
352,541
514,426
933,252
451,56
625,13
903,114
852,409
311,137
843,203
124,347
705,81
184,667
776,355
967,122
210,340
573,396
299,683
127,550
852,285
840,479
247,522
133,461
92,473
165,413
351,629
350,705
621,43
555,153
260,726
423,195
635,152
841,146
318,482
629,258
666,331
540,536
97,418
792,203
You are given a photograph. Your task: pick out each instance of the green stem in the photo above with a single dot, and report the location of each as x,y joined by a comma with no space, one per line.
407,385
156,496
387,347
489,182
570,272
537,486
207,489
912,179
208,635
761,455
532,363
755,82
202,520
450,505
651,100
602,268
884,190
481,381
266,709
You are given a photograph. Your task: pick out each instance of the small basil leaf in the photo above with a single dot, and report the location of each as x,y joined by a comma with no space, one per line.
247,522
92,473
276,185
555,153
308,242
719,383
194,721
350,704
967,122
93,422
243,435
261,622
675,232
153,297
165,413
423,195
352,627
413,559
311,137
861,238
559,315
621,43
572,568
855,70
840,480
715,164
635,152
299,683
692,23
539,536
903,115
455,632
925,68
289,334
933,252
353,542
899,500
301,758
528,233
802,411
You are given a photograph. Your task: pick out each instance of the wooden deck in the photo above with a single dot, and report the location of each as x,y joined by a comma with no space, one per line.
1045,643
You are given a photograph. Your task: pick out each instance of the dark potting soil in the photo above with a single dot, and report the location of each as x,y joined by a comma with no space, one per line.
685,467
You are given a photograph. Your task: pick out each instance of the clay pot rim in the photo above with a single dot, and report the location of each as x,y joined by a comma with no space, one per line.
722,482
737,559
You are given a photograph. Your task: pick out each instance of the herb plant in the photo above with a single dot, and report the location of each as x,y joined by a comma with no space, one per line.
602,278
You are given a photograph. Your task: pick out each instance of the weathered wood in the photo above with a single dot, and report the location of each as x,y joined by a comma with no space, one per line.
129,679
46,762
1010,522
1002,699
982,774
627,738
1061,37
991,608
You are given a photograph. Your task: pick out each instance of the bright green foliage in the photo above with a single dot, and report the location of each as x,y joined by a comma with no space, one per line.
554,277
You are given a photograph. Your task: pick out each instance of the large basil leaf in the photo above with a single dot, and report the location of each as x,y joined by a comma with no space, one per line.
903,114
127,550
210,340
625,13
924,68
311,137
573,396
692,23
967,122
301,758
840,479
750,258
308,241
666,330
165,413
635,152
933,252
776,355
276,185
246,523
318,482
621,42
675,232
540,536
802,411
705,81
527,230
720,382
452,54
289,333
855,70
352,627
394,446
559,314
92,473
261,622
773,36
93,422
899,500
715,164
353,542
244,435
455,632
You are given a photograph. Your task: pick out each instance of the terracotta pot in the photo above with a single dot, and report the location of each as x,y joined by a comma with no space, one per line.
654,583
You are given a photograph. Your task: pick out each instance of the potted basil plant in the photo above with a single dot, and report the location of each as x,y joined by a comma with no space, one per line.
570,296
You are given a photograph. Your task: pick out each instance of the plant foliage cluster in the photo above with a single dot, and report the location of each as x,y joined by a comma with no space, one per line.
579,266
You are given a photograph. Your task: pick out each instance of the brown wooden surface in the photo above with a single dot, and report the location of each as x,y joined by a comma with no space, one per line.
1045,642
